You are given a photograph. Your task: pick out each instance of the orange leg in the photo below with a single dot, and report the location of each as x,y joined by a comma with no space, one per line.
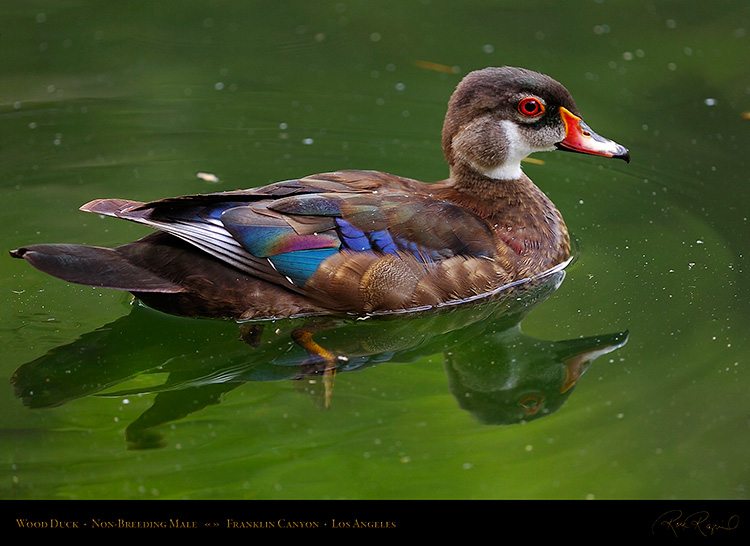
321,361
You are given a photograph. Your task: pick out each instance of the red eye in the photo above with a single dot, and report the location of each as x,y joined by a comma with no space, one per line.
531,107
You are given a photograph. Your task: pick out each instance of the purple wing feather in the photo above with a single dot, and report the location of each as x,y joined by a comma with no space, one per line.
284,231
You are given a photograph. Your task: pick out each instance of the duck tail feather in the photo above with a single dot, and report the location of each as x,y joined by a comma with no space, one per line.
93,266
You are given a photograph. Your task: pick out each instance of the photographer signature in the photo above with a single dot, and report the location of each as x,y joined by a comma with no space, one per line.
697,521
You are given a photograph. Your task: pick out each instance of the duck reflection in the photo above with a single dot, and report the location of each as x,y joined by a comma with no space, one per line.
495,371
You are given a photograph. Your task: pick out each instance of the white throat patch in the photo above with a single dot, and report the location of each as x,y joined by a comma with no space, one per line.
518,149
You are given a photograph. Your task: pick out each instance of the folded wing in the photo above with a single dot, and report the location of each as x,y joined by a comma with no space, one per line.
322,233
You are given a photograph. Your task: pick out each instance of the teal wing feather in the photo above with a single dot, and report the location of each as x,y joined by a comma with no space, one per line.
284,232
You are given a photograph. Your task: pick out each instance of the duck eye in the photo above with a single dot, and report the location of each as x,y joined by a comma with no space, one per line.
531,107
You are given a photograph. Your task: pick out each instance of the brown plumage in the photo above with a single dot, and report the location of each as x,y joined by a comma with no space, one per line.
358,241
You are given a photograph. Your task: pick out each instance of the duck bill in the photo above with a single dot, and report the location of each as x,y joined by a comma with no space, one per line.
580,138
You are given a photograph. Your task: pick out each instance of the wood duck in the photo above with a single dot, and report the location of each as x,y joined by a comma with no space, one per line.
358,242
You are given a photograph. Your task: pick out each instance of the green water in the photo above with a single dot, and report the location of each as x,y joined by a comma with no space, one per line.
98,100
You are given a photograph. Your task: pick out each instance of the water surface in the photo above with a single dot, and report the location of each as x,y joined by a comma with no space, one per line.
105,101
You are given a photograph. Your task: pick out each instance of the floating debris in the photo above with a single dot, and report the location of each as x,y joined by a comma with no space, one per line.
533,160
437,67
208,177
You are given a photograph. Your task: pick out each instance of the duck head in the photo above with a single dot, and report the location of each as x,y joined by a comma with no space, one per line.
498,116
